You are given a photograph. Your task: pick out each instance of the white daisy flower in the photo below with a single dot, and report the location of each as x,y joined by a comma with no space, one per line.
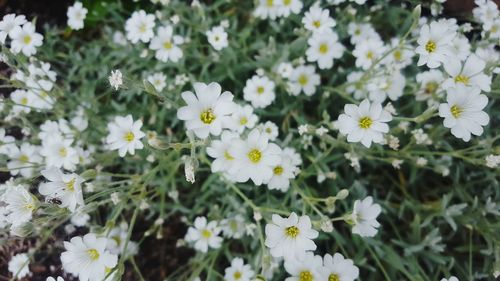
304,79
139,27
166,45
125,135
59,153
303,267
255,158
76,15
287,7
25,39
116,241
463,112
242,118
368,52
338,268
59,278
20,205
259,90
388,85
19,266
430,84
292,156
365,123
356,86
470,74
324,47
204,235
284,69
364,217
233,227
115,79
267,9
452,278
238,271
283,172
317,19
65,187
208,111
88,258
434,44
24,160
8,23
7,143
361,32
23,101
460,47
219,149
401,56
217,37
290,237
269,129
158,80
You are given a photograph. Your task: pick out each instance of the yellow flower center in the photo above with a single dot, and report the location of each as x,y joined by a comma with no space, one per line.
24,158
430,87
228,156
205,233
207,116
292,231
93,254
117,239
63,152
369,55
142,28
71,185
237,275
29,206
270,3
260,90
456,111
333,277
255,155
462,79
233,224
278,170
129,136
430,47
397,55
27,39
24,101
323,48
306,276
243,121
167,45
317,23
303,80
365,122
268,130
287,2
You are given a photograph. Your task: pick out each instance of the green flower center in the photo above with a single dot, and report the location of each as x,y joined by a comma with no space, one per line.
456,111
23,158
430,47
430,87
303,80
71,185
228,156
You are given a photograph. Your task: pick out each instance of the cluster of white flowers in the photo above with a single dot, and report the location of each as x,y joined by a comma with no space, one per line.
23,36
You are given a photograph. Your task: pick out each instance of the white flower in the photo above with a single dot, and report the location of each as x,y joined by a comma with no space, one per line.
269,129
267,9
430,84
471,74
76,15
317,19
283,172
259,90
25,39
207,112
204,235
87,257
158,80
233,227
140,27
303,267
217,37
116,79
435,44
125,135
59,278
365,123
304,79
116,241
23,160
364,217
361,32
286,7
338,268
367,52
255,158
65,187
18,265
59,153
166,45
7,143
355,85
20,205
8,23
284,69
219,149
389,85
460,47
452,278
463,112
324,47
292,156
243,117
492,161
290,237
238,271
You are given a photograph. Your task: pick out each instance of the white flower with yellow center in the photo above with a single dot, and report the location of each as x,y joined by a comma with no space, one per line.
365,123
204,235
125,135
65,187
324,47
317,19
23,101
25,39
259,90
388,85
255,158
287,7
59,278
304,267
304,79
158,80
76,15
7,143
88,258
8,23
116,241
290,237
166,45
234,227
361,32
243,118
24,160
219,149
208,111
19,266
238,271
267,9
338,268
217,37
434,44
356,86
139,27
59,153
430,85
463,112
364,217
368,52
283,172
19,204
269,129
470,74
